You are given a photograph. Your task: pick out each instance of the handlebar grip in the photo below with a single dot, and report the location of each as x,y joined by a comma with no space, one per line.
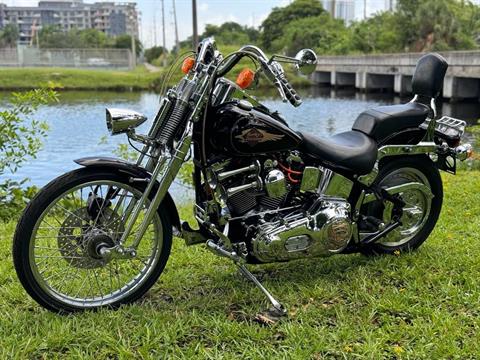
291,94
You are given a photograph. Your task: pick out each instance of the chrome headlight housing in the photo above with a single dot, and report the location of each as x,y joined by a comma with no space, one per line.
120,121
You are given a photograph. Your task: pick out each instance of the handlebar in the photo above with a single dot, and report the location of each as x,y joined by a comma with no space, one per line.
290,93
272,69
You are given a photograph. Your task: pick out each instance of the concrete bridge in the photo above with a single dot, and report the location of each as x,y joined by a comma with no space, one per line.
393,73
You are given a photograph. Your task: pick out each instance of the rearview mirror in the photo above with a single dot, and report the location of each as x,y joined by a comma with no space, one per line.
307,61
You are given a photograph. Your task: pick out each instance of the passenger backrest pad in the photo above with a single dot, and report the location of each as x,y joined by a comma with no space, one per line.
428,77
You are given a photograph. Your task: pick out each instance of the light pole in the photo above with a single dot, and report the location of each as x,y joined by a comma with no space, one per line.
134,50
163,35
177,43
195,26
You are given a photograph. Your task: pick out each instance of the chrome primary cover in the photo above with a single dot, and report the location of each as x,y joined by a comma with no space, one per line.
299,235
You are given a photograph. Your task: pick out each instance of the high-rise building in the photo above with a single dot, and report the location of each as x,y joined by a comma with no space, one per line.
340,9
390,5
109,17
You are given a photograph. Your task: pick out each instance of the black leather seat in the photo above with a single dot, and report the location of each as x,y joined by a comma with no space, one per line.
383,121
356,151
352,151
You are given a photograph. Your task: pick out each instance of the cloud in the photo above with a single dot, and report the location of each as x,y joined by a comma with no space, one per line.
203,7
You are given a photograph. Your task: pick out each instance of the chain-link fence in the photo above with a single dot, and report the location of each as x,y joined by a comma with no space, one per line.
78,58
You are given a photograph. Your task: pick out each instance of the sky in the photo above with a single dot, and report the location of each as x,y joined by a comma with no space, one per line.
245,12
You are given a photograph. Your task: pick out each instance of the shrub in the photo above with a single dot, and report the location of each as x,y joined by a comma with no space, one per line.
20,139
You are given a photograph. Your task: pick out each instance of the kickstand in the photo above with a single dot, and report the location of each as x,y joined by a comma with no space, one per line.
278,309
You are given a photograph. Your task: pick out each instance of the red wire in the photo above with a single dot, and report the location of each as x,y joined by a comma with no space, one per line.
290,173
290,170
292,180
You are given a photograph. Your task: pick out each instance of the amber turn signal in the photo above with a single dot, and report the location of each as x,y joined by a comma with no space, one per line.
188,65
245,78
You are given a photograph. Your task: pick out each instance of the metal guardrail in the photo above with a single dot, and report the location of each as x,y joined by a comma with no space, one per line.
454,58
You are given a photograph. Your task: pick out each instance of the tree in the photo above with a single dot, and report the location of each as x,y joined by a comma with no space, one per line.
154,53
93,38
125,42
231,33
274,25
51,37
377,34
9,36
426,25
322,33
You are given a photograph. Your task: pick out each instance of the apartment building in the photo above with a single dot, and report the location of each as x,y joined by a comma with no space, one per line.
350,10
109,17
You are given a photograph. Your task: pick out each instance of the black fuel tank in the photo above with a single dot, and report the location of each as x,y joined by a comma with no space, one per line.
239,130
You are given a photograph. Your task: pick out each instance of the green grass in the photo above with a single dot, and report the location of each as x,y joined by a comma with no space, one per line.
137,79
419,305
76,79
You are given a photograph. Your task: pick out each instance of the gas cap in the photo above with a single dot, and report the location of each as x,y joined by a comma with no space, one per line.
245,105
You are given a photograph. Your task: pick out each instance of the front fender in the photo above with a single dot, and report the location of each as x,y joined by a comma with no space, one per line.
136,171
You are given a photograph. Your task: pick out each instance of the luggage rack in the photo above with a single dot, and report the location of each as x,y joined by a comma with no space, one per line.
449,128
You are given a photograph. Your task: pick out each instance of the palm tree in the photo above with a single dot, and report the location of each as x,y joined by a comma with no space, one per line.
10,35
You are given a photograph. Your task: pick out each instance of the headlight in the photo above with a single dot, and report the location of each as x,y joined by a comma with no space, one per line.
121,121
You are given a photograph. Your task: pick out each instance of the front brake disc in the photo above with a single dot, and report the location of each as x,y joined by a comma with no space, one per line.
77,236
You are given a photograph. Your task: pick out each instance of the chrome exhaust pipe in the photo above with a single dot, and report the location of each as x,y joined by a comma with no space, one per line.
463,152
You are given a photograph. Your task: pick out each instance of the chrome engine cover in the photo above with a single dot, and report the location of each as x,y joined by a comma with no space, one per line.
300,235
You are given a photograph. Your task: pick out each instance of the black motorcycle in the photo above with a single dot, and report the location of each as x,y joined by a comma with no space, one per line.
101,235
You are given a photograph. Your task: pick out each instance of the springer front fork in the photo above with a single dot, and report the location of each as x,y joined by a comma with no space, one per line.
165,170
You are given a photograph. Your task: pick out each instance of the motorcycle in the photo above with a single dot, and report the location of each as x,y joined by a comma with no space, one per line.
101,235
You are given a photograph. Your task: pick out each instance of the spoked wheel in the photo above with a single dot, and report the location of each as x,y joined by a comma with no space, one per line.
62,244
421,210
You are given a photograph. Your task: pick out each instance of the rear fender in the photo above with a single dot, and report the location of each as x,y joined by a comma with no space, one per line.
136,171
409,136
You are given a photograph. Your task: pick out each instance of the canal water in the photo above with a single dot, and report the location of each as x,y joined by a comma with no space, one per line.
77,123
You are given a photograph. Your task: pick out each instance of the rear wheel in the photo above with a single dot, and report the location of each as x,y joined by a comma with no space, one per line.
58,243
421,211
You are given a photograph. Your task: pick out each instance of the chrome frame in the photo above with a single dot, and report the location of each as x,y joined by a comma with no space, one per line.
397,150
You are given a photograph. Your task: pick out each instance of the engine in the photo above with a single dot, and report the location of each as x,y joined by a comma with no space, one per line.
324,231
285,210
255,185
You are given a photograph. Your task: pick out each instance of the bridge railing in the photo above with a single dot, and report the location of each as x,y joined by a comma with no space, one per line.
454,58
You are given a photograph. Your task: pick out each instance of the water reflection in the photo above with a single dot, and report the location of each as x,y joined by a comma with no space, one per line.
77,122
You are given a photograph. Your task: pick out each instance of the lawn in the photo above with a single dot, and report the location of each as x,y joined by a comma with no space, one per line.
419,305
84,79
76,79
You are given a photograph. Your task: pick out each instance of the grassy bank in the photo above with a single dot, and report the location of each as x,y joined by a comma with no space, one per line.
419,305
76,79
80,79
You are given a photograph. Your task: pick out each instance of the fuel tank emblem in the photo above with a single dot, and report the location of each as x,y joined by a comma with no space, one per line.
254,136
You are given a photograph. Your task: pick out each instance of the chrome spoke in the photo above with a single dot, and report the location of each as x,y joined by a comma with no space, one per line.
416,210
65,242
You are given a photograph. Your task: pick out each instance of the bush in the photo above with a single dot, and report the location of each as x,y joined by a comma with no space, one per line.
20,139
154,53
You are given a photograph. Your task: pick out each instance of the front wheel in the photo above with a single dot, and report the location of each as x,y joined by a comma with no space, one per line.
58,242
420,213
